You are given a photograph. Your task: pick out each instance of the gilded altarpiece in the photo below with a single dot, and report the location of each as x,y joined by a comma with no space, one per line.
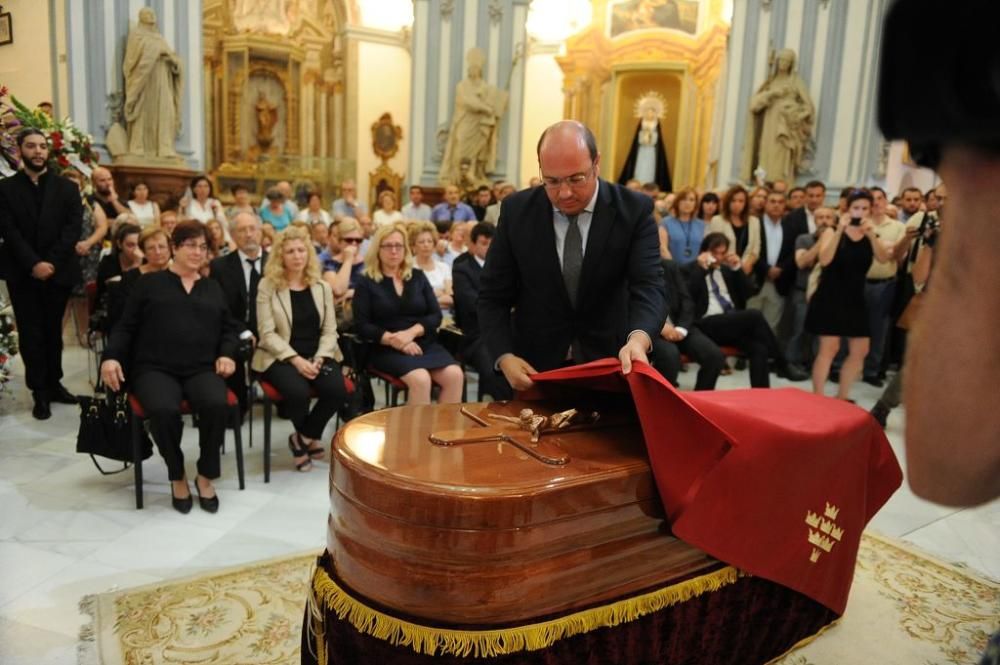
275,93
605,76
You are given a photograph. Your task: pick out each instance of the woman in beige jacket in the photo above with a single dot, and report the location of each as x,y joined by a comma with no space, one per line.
741,228
297,352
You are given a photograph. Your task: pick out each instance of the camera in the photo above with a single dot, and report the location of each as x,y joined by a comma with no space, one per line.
326,369
855,221
929,228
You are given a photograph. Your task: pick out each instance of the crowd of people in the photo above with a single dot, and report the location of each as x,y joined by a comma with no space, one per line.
771,275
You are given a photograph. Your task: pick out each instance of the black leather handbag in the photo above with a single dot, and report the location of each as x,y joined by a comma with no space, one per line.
106,430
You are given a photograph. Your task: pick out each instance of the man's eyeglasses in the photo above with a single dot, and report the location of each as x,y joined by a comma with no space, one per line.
393,247
575,180
354,241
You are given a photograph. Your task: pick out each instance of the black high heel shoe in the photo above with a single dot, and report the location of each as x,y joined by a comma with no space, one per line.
299,451
210,504
182,506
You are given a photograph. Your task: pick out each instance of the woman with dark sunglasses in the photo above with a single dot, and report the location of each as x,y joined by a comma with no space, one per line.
342,261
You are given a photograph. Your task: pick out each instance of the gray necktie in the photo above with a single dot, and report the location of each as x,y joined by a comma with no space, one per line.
572,258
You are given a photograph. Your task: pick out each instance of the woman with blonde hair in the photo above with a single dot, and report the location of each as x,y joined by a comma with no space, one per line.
395,307
423,241
387,213
298,350
741,228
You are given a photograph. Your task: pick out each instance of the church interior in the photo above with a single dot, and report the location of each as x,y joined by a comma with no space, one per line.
358,102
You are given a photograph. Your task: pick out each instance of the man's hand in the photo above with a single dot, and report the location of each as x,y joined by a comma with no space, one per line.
82,248
633,351
304,367
773,273
224,366
517,370
43,270
670,333
112,374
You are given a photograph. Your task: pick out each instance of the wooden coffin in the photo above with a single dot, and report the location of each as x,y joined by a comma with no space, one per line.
486,533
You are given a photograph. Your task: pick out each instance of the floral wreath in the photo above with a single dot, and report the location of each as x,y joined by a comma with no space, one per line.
67,143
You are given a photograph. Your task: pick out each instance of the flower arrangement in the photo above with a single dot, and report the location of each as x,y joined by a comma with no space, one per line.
8,341
66,141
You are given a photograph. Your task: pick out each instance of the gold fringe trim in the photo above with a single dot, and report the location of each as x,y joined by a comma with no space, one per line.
492,643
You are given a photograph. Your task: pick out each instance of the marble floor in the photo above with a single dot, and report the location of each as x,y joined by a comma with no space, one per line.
67,531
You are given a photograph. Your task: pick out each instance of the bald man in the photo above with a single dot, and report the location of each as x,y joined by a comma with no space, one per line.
578,262
105,195
451,210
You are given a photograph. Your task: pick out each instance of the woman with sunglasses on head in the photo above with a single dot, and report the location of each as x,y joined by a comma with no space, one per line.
179,341
837,308
395,307
342,262
298,352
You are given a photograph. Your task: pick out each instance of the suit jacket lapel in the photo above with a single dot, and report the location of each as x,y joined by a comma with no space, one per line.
544,239
238,274
600,227
285,298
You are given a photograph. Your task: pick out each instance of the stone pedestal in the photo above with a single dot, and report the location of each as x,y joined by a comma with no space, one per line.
166,184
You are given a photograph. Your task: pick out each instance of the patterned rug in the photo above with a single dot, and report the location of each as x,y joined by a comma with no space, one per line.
905,608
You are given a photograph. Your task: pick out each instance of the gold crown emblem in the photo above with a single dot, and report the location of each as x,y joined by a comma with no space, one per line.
814,557
837,533
812,519
819,540
832,511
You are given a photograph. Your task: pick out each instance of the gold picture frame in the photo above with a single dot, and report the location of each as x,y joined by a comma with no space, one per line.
386,137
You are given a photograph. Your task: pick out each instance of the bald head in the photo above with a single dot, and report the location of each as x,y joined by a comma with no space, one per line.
568,132
246,232
103,182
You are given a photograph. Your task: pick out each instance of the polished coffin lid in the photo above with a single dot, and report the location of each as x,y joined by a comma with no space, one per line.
486,533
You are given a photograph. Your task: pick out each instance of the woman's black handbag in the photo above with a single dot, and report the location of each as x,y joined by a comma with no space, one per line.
106,430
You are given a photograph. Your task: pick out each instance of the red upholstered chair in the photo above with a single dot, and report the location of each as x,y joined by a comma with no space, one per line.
139,414
271,396
393,386
727,351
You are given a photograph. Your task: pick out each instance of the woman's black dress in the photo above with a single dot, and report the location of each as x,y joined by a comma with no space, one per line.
377,309
838,306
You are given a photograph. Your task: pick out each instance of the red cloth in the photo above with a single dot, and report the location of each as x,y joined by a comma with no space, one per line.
779,483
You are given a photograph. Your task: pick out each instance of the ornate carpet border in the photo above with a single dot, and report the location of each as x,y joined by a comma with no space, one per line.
327,595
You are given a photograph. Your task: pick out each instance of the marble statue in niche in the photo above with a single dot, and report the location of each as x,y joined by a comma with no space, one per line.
152,73
475,124
782,120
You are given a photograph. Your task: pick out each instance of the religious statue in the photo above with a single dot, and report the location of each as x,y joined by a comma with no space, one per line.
647,156
782,116
529,421
267,118
152,74
474,125
263,16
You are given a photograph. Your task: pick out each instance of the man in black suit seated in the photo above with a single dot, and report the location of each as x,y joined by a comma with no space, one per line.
239,273
465,276
720,289
680,336
577,260
40,219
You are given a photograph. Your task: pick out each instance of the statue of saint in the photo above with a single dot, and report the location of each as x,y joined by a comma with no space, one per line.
474,124
782,116
647,156
152,90
267,118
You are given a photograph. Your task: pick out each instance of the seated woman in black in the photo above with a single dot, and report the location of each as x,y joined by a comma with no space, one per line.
124,256
179,341
395,306
298,341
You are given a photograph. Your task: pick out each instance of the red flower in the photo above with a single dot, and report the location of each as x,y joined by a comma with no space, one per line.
62,161
57,142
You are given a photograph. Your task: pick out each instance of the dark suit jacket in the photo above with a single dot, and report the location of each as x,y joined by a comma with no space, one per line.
228,272
786,255
737,282
621,284
465,276
32,234
679,303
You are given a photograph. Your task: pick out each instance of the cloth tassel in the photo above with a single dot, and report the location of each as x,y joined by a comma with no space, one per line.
327,595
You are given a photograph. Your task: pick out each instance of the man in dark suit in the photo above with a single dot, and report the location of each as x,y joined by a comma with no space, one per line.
239,273
40,219
578,261
776,267
678,335
719,289
465,280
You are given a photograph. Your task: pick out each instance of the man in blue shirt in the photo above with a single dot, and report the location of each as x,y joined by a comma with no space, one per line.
451,210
